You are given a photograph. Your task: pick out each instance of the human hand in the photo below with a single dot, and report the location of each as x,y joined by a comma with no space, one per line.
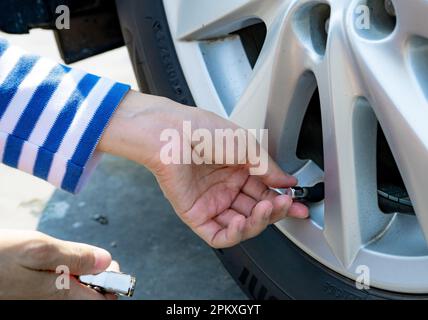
28,262
223,204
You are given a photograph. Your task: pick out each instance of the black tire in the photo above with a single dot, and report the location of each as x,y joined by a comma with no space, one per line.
269,266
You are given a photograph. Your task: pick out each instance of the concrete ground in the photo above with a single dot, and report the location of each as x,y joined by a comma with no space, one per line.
121,209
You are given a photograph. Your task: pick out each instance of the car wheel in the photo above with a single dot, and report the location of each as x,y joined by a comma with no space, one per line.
342,87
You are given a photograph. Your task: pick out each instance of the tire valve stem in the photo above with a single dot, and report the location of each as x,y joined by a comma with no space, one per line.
307,194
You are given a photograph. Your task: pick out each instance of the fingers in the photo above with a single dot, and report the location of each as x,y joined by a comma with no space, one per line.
230,235
283,205
50,285
254,224
298,210
275,177
114,266
258,190
231,227
244,204
47,253
79,291
258,220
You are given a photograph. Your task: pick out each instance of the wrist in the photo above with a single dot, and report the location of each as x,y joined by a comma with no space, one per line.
135,128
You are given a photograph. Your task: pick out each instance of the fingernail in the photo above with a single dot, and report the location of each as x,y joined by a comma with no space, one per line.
102,259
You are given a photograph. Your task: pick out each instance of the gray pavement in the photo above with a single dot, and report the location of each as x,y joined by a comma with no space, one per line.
123,210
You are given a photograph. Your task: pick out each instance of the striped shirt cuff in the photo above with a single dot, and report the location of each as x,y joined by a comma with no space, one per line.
52,117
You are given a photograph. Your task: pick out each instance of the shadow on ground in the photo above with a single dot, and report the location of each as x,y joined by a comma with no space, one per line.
123,210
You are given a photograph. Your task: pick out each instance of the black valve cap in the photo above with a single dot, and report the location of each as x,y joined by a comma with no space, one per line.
315,193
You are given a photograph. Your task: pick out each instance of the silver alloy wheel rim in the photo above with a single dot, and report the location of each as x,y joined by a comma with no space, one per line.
362,75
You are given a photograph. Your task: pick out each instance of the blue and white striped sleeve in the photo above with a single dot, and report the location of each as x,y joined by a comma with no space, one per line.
52,117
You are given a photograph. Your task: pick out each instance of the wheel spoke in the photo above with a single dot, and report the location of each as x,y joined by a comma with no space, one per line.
213,19
402,112
349,130
278,93
412,16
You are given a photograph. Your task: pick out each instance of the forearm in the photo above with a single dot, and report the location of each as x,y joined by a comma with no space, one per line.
135,129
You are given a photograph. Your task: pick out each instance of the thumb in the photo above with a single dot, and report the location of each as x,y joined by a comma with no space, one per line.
49,253
275,177
262,165
81,258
